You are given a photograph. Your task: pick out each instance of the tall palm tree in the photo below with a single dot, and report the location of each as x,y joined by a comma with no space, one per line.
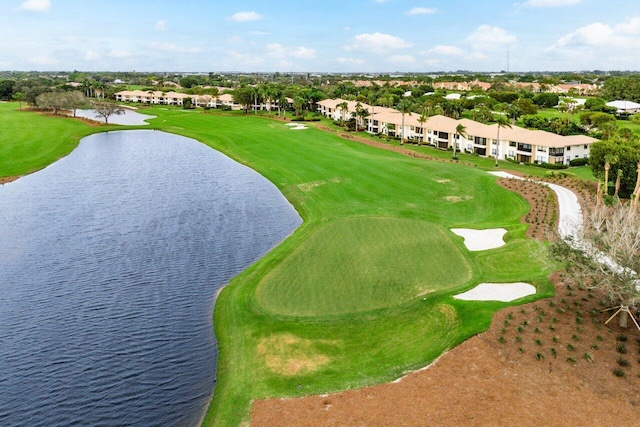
422,120
609,159
283,102
343,107
502,122
371,99
461,130
363,113
357,113
404,107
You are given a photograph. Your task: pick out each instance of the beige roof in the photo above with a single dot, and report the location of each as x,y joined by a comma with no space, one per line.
473,128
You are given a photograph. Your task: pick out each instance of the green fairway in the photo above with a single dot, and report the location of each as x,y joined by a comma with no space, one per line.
30,141
362,292
367,263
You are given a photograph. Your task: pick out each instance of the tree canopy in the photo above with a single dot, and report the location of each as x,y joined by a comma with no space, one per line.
627,155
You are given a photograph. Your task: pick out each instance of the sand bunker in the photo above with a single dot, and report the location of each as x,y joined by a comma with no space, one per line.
481,240
296,126
504,292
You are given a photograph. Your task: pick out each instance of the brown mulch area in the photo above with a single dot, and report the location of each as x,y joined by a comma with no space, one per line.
8,179
552,362
547,363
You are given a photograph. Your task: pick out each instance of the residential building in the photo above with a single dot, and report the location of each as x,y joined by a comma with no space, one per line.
515,143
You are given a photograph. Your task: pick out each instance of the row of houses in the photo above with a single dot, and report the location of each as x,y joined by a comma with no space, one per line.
571,87
515,143
175,98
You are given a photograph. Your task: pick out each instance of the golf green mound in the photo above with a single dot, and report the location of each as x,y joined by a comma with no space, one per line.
360,264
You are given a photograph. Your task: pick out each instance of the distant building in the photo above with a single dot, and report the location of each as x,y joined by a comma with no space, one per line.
625,107
516,143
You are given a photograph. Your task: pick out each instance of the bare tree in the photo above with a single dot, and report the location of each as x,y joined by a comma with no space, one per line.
106,109
606,256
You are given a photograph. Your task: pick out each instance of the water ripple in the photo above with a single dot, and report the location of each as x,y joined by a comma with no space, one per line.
109,262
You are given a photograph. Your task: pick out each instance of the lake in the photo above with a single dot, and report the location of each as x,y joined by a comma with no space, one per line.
128,117
110,261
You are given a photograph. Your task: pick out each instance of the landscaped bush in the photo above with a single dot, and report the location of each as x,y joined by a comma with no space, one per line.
558,174
579,162
549,165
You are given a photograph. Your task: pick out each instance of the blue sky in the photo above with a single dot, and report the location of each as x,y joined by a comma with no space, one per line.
331,36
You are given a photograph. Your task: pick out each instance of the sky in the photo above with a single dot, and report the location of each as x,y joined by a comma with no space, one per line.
364,36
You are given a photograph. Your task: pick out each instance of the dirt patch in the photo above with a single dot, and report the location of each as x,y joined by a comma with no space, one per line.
537,365
8,179
289,355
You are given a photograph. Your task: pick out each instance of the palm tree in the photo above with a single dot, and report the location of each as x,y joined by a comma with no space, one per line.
609,159
357,113
423,119
371,99
343,107
502,122
283,102
363,113
461,130
404,107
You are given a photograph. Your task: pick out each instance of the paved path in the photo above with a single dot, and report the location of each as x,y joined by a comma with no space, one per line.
570,212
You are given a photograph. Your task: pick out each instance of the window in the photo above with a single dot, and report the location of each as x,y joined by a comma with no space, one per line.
568,148
586,147
512,144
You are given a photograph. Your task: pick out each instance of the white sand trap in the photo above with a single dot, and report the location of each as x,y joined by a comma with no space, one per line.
481,240
504,292
296,126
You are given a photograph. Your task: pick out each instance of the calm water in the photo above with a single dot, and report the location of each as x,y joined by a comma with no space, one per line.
128,117
110,260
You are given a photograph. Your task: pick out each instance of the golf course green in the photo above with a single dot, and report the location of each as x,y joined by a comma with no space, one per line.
362,292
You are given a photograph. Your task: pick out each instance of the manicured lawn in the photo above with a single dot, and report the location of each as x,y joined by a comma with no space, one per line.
362,291
30,141
367,263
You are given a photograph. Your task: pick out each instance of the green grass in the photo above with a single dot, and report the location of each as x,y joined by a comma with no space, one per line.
361,292
367,263
30,141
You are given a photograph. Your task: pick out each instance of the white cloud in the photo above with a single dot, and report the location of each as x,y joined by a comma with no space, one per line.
161,25
550,3
631,27
276,50
401,59
245,17
598,35
114,53
421,11
36,5
170,47
377,43
245,59
488,38
43,60
444,50
350,61
92,55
